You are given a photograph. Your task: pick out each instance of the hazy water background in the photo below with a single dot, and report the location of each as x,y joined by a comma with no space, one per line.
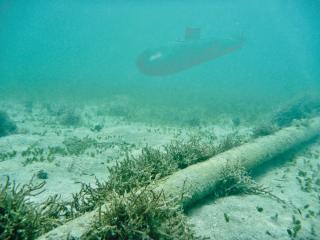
85,50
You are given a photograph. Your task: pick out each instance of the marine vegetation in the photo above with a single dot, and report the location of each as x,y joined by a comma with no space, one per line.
7,155
21,219
7,126
71,118
73,146
152,164
132,213
299,109
296,227
121,110
64,114
129,207
147,214
264,129
235,180
141,214
35,153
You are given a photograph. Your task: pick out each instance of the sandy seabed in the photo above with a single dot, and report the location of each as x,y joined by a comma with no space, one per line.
35,150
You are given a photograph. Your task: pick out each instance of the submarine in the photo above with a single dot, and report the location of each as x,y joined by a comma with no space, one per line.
182,55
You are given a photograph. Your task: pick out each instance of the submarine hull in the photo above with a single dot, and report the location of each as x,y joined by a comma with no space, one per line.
173,59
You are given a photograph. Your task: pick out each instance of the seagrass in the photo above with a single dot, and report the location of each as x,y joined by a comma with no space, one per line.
199,180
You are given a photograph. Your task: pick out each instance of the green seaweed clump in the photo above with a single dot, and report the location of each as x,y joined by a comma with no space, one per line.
127,175
130,208
7,126
35,153
264,129
71,119
19,218
133,214
152,164
77,146
296,227
143,214
7,155
305,107
197,149
134,172
121,107
235,180
302,108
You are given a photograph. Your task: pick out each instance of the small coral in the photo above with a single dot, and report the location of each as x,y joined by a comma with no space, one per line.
7,126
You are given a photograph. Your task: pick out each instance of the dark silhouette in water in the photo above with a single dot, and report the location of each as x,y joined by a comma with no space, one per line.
7,126
192,51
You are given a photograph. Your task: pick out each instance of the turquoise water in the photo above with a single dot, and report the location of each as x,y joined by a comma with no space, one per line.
132,91
86,51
